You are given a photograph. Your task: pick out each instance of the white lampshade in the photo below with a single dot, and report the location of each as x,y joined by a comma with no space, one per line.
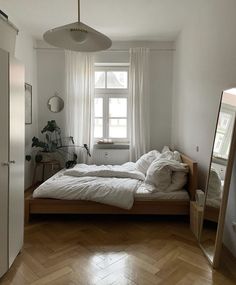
77,37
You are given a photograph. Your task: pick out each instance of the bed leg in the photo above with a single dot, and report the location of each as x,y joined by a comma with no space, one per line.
27,211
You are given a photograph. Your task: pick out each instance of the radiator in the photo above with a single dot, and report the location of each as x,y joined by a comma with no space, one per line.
110,156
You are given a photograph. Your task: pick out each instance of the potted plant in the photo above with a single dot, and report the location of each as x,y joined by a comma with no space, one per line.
53,144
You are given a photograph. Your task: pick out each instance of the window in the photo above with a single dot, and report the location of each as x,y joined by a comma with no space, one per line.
224,132
111,103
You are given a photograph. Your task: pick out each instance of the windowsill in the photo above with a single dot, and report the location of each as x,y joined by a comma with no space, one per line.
117,145
219,160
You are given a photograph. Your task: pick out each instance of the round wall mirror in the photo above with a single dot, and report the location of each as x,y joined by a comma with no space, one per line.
55,104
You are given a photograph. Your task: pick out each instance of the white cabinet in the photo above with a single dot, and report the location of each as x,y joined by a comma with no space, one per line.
12,135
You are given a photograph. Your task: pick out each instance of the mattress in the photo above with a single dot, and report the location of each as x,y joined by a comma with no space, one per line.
142,194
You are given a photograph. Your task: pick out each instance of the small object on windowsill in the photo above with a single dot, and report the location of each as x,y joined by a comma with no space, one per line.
105,141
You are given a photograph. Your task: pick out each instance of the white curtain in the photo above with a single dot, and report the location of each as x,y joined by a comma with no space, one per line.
139,127
80,99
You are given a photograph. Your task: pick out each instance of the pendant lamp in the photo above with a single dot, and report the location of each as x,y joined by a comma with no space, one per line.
77,37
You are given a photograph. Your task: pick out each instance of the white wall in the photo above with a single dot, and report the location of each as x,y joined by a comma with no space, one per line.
161,98
51,79
205,65
51,66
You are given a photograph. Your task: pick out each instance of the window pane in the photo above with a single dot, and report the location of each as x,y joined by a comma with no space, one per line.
100,79
98,128
117,79
218,143
98,107
118,128
224,120
118,107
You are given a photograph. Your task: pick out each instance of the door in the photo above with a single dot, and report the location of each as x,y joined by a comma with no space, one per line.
16,157
4,138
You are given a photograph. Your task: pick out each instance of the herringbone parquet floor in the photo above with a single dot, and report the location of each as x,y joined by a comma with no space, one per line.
111,250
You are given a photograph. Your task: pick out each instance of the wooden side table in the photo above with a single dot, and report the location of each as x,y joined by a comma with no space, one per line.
196,214
54,164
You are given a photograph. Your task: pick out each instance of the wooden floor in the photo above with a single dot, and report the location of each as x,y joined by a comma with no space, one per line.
112,250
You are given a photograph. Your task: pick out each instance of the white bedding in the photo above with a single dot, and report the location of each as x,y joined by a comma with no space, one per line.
119,192
160,173
116,185
126,170
143,193
83,185
214,202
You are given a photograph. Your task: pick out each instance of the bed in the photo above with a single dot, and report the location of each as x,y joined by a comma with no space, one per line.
212,209
211,213
144,206
214,196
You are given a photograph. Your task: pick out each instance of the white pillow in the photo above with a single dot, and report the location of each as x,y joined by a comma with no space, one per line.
214,185
167,155
165,148
177,156
159,174
173,154
143,163
178,181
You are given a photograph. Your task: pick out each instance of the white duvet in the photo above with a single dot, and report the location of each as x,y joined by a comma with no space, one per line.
126,170
112,185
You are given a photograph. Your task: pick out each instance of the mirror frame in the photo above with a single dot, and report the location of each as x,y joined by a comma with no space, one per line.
221,221
48,105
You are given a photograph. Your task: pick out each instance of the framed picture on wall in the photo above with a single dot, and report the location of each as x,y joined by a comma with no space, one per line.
28,104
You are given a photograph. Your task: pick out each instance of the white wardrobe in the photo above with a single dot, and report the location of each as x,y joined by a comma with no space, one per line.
12,136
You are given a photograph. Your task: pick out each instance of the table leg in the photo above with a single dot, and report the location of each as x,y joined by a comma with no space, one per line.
43,172
34,175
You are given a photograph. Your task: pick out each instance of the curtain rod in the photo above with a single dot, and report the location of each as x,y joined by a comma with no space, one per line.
109,50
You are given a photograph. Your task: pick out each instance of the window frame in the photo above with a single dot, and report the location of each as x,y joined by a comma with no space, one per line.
106,94
228,109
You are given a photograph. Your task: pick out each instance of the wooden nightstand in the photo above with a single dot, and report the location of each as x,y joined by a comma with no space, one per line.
53,164
196,213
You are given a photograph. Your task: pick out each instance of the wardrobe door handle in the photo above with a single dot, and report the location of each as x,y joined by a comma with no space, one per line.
7,163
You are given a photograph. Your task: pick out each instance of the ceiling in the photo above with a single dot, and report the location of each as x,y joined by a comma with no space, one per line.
118,19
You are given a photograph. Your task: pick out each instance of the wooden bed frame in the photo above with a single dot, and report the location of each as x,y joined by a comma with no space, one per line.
161,207
211,213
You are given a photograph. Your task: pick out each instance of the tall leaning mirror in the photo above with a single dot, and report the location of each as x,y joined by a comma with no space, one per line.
219,176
